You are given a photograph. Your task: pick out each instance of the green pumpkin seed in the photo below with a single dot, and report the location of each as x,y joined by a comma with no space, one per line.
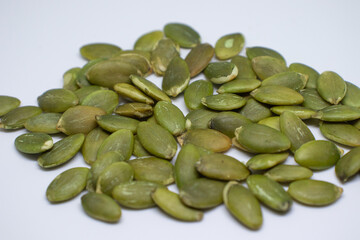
243,205
269,192
266,161
113,175
33,143
239,85
239,146
338,113
314,192
312,74
227,122
135,110
69,79
202,193
331,87
67,184
148,41
139,150
352,97
170,117
57,100
255,111
135,195
131,53
121,141
266,66
79,119
273,122
221,167
300,111
7,104
81,78
163,53
157,140
229,46
198,58
98,50
317,155
357,124
62,151
182,34
342,133
104,99
295,129
223,101
200,118
92,143
85,91
149,88
348,165
176,77
44,122
112,123
261,139
244,67
17,117
101,207
195,92
137,59
288,173
254,52
313,100
171,204
153,169
293,80
206,138
129,91
221,72
277,95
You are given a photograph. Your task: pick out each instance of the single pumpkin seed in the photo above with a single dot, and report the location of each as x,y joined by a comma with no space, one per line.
338,113
139,150
200,118
300,111
57,100
17,117
121,141
135,58
176,77
129,91
244,67
81,78
223,101
221,72
98,50
195,92
262,51
313,100
243,205
227,122
182,34
164,51
62,151
342,133
239,85
44,122
352,97
85,91
317,154
135,110
266,160
148,41
314,192
288,173
239,146
104,99
67,184
255,111
149,88
348,165
7,104
357,124
198,58
273,122
144,54
269,192
112,123
229,46
331,87
266,66
277,95
293,80
69,79
92,143
170,117
33,143
312,74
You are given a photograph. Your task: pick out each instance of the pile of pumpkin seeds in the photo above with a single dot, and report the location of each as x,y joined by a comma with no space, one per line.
110,111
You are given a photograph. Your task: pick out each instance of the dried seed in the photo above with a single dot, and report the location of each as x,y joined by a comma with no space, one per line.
148,41
195,92
273,122
244,67
131,92
98,50
313,100
135,110
85,91
182,34
348,165
301,112
44,122
221,72
331,87
227,122
200,118
163,53
7,104
293,80
176,77
149,88
92,143
255,111
262,51
17,117
81,78
239,85
33,143
104,99
138,59
69,79
198,58
112,123
342,133
312,74
170,117
223,101
338,113
266,161
266,66
121,141
288,173
352,97
229,46
139,150
277,95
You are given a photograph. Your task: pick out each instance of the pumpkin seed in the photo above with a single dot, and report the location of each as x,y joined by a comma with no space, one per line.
223,101
266,66
221,72
139,150
198,58
69,79
164,51
227,122
200,118
104,99
170,117
331,87
277,95
342,133
98,50
244,67
273,122
81,78
112,123
149,88
313,100
348,165
176,77
300,111
229,46
352,97
239,85
137,59
148,41
85,91
338,113
255,111
357,124
33,143
288,173
7,104
182,34
254,52
57,100
135,110
195,92
293,80
92,143
121,141
266,160
312,74
44,122
17,117
129,91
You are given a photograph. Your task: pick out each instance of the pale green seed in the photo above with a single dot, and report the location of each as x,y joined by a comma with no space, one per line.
269,192
239,146
62,151
182,34
112,123
33,143
85,91
81,78
130,53
277,95
57,100
67,184
255,111
170,117
357,124
229,46
300,111
314,192
338,113
227,122
266,161
352,97
342,133
273,122
134,110
104,99
121,141
44,122
163,53
129,91
293,80
288,173
348,165
139,150
137,59
266,66
176,77
221,72
313,100
262,51
239,85
195,92
244,67
17,117
7,104
148,41
223,101
92,143
69,79
198,58
331,87
149,88
98,50
200,118
312,74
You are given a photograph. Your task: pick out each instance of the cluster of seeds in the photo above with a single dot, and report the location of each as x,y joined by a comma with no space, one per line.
261,107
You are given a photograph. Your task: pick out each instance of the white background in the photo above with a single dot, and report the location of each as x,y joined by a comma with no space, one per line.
40,40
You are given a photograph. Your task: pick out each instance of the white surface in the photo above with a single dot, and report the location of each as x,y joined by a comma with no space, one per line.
40,40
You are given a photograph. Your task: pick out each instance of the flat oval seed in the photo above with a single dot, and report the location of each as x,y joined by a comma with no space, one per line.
342,133
312,74
317,155
288,173
202,193
314,192
136,194
352,97
222,167
79,119
98,50
170,203
338,113
206,138
244,67
101,207
243,205
195,92
221,72
139,150
33,143
104,99
269,192
148,41
112,123
266,66
348,165
331,87
62,151
266,160
157,140
357,124
44,122
277,95
176,77
92,143
135,110
198,58
200,118
129,91
255,111
300,111
293,80
17,117
85,91
67,184
313,100
121,141
153,169
227,122
7,104
229,46
182,34
295,129
261,139
170,117
273,122
137,59
81,78
57,100
69,79
262,51
149,88
223,101
239,85
163,53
